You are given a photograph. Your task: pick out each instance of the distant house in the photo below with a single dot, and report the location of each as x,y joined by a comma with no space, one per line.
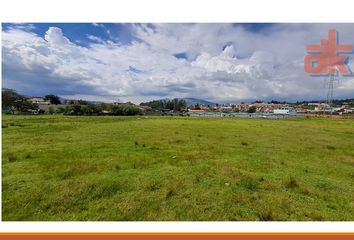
38,100
226,109
196,111
145,108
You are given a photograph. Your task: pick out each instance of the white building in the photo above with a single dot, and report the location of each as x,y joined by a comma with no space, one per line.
39,100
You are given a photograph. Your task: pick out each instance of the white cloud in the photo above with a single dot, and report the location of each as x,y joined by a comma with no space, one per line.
95,38
55,36
224,62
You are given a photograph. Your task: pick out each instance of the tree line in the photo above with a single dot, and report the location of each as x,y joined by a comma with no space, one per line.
123,109
174,104
14,102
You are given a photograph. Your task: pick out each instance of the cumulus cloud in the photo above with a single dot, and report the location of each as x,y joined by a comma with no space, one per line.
55,36
222,62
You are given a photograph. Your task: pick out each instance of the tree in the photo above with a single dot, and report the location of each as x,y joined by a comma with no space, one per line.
197,106
82,102
51,110
91,109
252,109
174,104
106,107
76,109
13,101
181,104
125,110
169,105
61,110
73,109
53,99
10,98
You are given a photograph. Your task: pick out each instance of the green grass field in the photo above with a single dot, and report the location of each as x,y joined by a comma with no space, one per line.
176,168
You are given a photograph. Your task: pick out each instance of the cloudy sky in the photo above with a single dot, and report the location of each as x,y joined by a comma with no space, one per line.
140,62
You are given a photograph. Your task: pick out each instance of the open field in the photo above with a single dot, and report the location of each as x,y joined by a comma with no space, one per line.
175,168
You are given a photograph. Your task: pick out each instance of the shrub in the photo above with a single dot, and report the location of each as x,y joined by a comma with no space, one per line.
12,157
249,184
252,109
125,110
330,147
51,110
170,193
266,215
291,183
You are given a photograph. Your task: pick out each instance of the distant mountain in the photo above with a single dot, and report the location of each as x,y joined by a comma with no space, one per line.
195,101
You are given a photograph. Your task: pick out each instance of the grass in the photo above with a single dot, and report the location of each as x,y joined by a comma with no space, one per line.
176,168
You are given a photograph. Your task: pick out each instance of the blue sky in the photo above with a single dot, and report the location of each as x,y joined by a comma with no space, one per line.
140,62
78,33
